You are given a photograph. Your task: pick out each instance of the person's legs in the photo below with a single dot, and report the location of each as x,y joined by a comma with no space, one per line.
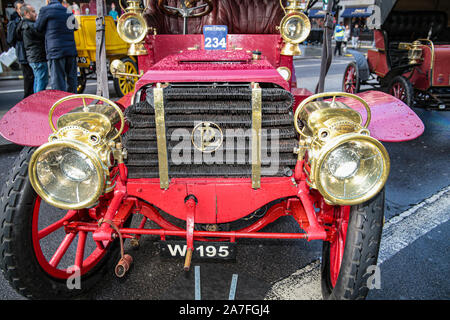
71,74
28,80
40,70
57,74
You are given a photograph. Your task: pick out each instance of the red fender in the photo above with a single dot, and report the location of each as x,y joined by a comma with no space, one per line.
392,120
27,122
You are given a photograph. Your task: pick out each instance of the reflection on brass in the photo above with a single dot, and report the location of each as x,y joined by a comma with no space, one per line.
89,133
415,53
256,135
125,28
333,104
291,49
118,70
207,137
294,29
346,165
158,96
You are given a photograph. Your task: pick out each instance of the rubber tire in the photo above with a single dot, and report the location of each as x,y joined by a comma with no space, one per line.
361,251
357,86
407,86
17,258
117,89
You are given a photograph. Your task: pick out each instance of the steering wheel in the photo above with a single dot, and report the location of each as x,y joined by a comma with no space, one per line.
334,95
187,8
85,109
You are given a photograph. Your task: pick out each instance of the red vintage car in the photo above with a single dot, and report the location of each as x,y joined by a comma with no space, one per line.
215,143
410,58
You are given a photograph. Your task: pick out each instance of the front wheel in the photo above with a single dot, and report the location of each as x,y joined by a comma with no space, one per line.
349,259
125,84
350,82
38,256
402,89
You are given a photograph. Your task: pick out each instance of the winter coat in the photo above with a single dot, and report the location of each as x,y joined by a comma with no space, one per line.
54,21
11,38
33,41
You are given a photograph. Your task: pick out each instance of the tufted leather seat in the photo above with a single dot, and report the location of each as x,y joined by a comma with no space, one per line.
241,17
408,26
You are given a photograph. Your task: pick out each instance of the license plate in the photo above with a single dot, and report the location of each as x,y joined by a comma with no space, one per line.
215,37
202,249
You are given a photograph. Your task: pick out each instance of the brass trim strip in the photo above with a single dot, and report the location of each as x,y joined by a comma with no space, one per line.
256,135
158,100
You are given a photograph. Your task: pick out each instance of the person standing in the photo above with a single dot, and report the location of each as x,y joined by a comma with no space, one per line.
54,22
339,34
355,36
347,35
13,41
34,44
113,13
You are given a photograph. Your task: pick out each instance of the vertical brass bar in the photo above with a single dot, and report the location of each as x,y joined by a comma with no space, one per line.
256,135
158,99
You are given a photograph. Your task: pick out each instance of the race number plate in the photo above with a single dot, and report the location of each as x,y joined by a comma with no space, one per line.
202,249
215,37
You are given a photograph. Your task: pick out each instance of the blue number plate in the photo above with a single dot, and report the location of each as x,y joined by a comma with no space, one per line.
215,37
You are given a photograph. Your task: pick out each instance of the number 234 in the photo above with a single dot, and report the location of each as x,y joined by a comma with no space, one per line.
215,43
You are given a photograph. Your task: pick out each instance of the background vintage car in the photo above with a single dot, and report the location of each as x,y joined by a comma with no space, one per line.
409,61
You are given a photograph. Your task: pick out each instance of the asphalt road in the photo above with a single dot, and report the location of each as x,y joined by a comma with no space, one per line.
414,268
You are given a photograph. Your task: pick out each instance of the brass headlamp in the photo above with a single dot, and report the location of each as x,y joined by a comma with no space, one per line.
347,165
132,28
71,171
294,28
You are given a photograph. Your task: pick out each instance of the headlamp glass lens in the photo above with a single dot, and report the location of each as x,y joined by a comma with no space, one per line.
133,28
352,169
66,175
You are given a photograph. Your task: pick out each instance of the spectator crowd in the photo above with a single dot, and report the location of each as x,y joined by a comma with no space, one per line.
45,46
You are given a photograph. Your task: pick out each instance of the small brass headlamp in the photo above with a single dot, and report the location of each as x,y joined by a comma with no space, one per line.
71,171
348,166
294,28
132,28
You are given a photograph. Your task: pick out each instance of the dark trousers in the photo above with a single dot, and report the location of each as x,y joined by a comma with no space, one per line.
28,80
338,48
63,74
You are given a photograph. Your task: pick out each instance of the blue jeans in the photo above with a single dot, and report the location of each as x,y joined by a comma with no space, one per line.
40,71
63,74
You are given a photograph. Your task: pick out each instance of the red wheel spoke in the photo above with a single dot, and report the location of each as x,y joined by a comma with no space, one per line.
80,249
55,226
61,251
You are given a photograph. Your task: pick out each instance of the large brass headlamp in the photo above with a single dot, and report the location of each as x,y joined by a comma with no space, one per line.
347,165
71,171
294,28
132,28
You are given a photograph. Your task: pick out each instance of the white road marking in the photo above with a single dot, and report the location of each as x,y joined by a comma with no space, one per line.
398,233
233,286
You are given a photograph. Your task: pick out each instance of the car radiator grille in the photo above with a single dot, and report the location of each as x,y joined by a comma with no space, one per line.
229,109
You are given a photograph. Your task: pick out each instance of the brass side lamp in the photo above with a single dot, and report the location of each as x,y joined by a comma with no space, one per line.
294,28
132,28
